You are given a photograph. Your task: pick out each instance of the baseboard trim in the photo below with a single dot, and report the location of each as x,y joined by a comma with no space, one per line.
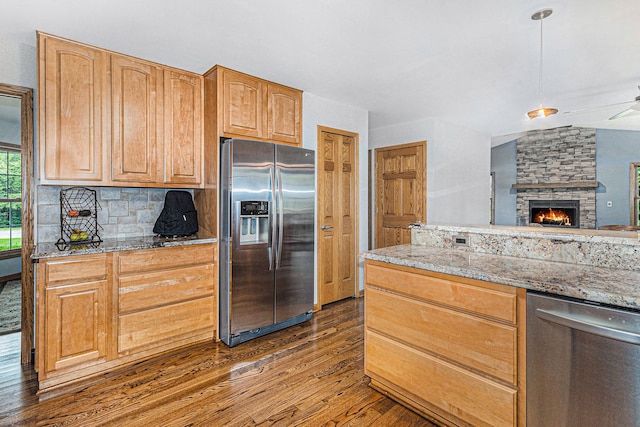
15,276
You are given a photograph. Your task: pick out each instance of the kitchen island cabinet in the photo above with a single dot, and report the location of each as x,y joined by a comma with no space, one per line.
435,323
98,311
449,347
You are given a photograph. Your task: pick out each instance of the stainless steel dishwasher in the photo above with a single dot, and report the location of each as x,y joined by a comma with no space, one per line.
583,364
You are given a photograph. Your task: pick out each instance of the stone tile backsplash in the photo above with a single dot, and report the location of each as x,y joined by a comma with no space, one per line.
122,212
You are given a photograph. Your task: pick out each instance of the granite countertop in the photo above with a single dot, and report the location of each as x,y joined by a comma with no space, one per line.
605,285
51,250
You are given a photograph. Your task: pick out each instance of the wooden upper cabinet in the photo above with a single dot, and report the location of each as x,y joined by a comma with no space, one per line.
243,104
284,111
73,111
136,142
183,134
114,120
258,109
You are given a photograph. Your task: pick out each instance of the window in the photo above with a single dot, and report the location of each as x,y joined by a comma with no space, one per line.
635,193
10,200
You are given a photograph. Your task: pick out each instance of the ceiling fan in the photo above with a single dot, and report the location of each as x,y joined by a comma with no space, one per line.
634,108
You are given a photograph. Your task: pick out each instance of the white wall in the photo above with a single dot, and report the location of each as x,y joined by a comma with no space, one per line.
458,168
317,111
18,64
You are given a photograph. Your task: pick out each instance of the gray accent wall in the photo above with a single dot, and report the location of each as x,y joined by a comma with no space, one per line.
503,165
122,212
615,150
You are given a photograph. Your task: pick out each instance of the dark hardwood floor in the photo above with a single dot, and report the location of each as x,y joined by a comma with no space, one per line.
307,375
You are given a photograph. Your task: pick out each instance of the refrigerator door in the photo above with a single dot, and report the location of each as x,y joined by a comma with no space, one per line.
251,289
295,203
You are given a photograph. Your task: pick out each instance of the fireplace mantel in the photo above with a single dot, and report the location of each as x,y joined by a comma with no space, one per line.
566,184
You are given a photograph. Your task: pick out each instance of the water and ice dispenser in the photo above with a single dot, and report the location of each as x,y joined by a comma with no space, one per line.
254,222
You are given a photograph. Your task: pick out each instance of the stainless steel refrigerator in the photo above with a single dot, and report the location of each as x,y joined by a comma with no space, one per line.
266,238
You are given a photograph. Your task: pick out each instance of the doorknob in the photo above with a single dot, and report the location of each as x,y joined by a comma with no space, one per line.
326,228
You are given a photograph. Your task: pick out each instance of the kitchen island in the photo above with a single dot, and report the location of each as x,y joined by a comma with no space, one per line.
445,317
600,284
102,305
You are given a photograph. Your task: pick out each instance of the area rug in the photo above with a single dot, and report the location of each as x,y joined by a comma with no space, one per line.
10,303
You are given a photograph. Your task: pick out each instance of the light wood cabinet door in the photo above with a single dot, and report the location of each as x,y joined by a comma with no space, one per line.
72,313
136,141
243,112
284,114
74,111
76,325
183,128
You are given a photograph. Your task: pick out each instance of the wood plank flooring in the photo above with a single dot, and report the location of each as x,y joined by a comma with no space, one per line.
307,375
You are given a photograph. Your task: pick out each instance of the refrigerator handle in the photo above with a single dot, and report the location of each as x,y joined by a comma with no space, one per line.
272,217
280,208
235,233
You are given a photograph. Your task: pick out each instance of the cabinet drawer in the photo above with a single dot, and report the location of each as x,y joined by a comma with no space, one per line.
153,289
481,344
485,301
76,269
163,324
162,258
472,398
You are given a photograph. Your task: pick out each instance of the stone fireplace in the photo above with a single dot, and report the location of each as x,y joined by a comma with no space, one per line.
557,165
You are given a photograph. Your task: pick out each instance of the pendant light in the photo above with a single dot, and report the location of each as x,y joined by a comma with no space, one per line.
541,111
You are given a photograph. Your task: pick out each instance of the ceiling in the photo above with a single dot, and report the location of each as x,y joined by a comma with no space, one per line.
472,63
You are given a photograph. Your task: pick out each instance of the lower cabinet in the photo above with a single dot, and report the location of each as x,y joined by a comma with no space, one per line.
165,296
97,312
72,306
448,347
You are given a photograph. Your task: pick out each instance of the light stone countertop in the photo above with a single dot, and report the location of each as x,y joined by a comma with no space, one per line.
605,285
51,250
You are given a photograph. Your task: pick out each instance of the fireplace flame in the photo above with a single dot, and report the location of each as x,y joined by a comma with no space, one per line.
555,217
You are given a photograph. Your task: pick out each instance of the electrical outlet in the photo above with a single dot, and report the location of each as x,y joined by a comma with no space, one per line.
460,240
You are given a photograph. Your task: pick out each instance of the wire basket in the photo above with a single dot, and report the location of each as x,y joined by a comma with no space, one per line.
78,217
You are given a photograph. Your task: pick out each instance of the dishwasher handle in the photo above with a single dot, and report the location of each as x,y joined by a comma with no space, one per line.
589,327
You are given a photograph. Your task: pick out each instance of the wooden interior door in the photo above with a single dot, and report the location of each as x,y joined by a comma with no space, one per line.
337,171
401,187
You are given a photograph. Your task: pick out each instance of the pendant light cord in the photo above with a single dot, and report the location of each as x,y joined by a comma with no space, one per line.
540,70
541,111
